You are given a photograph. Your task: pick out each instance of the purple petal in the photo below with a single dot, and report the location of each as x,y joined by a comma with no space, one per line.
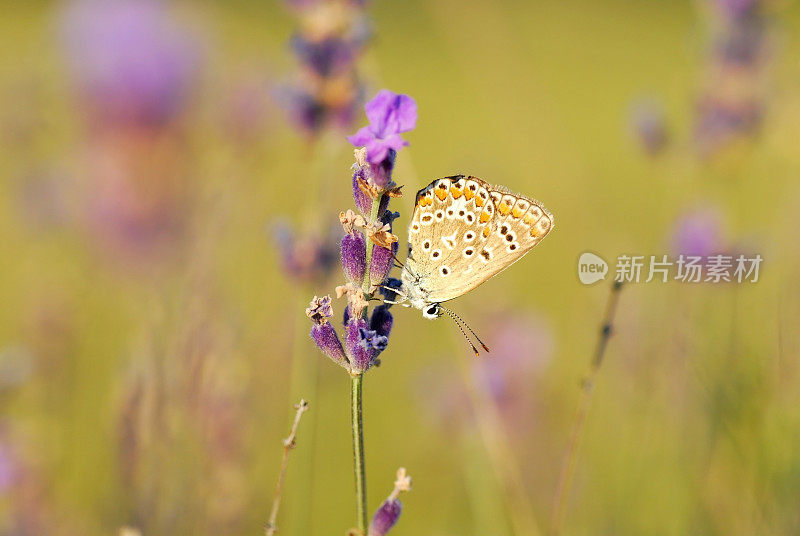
361,138
395,142
390,113
405,113
379,109
377,151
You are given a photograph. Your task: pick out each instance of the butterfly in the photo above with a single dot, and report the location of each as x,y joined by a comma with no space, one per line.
463,232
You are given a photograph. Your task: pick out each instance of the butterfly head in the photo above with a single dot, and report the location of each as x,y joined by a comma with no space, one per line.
431,311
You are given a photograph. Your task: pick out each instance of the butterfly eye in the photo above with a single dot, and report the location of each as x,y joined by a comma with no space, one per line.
432,311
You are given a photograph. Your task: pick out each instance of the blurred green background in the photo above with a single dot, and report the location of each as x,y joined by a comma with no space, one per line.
152,345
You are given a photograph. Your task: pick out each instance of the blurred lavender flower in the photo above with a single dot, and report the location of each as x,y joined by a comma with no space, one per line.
326,57
9,469
330,39
736,9
306,257
698,232
389,115
649,126
522,347
245,114
732,104
130,59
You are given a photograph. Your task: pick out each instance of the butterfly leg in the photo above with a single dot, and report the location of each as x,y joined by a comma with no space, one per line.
400,303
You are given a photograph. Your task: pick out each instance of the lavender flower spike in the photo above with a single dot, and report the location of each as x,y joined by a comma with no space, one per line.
389,512
323,333
389,115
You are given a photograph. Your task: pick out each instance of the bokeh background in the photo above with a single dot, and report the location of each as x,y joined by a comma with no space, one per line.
170,180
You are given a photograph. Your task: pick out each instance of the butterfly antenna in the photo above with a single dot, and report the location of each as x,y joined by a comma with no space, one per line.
397,260
464,333
469,328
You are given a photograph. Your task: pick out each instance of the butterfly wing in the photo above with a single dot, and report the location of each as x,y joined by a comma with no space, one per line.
464,231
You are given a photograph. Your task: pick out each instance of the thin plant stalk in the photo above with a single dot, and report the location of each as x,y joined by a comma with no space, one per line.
359,468
303,381
502,458
356,402
304,373
587,388
486,499
288,444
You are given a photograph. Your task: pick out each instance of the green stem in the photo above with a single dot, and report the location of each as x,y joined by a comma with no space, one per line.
356,389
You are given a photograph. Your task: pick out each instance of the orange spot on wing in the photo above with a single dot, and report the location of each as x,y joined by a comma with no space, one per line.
457,192
486,231
485,216
516,213
441,194
479,202
504,209
468,194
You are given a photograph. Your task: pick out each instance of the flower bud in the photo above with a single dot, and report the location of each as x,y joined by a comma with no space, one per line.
381,320
327,340
385,518
354,257
322,332
359,349
382,262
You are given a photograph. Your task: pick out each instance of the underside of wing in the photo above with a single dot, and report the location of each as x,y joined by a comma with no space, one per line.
463,231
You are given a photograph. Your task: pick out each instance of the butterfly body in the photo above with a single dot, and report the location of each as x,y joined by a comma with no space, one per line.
464,231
